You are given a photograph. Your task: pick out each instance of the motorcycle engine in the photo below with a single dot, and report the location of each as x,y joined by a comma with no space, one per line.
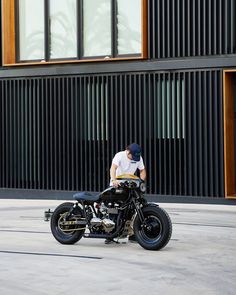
107,220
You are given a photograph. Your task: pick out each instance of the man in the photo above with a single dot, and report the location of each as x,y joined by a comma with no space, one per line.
127,162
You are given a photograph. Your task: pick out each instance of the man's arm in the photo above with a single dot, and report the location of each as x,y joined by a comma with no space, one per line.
113,174
113,171
143,174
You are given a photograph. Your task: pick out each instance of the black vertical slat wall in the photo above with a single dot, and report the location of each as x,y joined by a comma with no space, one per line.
0,33
182,28
60,133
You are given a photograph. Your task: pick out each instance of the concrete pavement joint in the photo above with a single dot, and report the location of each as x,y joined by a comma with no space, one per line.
49,254
24,231
206,225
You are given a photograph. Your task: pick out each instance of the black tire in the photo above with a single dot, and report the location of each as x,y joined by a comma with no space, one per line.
66,237
156,231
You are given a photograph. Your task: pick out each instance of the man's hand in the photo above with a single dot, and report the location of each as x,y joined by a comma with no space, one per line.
115,183
143,174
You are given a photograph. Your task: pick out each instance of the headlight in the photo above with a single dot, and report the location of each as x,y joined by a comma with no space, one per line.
142,187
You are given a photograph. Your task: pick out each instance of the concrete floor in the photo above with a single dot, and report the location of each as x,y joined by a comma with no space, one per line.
199,259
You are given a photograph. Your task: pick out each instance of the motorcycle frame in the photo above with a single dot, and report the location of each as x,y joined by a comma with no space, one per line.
134,199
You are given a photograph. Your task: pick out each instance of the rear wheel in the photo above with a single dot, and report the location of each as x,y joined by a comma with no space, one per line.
155,232
63,227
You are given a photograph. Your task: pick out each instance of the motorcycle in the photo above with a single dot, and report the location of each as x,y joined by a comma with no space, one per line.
111,214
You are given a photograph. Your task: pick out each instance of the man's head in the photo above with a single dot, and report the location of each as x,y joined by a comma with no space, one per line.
135,151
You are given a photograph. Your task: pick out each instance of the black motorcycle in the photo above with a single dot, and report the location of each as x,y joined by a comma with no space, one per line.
111,215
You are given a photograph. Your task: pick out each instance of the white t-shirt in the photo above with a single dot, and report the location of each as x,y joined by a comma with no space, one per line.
125,165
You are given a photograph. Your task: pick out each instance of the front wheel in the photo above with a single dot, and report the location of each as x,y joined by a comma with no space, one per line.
155,231
63,225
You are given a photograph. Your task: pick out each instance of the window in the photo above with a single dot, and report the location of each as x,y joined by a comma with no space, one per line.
170,109
76,30
96,114
63,29
97,28
129,27
31,33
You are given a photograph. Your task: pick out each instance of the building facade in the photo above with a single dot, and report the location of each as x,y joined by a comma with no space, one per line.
80,80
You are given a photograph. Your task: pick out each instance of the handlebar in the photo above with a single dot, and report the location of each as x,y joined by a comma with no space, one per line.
128,184
132,183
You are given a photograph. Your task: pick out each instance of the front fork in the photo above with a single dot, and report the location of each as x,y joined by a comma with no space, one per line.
138,208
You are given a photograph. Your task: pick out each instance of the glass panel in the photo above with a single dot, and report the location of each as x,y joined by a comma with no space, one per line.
97,27
129,26
170,109
31,29
63,29
97,110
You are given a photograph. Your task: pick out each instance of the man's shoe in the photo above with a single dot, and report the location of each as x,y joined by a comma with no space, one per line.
110,241
132,239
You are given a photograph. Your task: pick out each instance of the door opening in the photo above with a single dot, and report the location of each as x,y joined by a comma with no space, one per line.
230,133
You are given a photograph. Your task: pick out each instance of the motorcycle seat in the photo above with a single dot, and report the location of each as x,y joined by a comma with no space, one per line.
85,196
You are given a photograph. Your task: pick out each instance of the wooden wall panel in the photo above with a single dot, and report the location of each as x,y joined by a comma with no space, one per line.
144,29
8,35
229,146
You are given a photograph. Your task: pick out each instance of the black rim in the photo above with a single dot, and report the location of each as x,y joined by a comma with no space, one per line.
152,229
